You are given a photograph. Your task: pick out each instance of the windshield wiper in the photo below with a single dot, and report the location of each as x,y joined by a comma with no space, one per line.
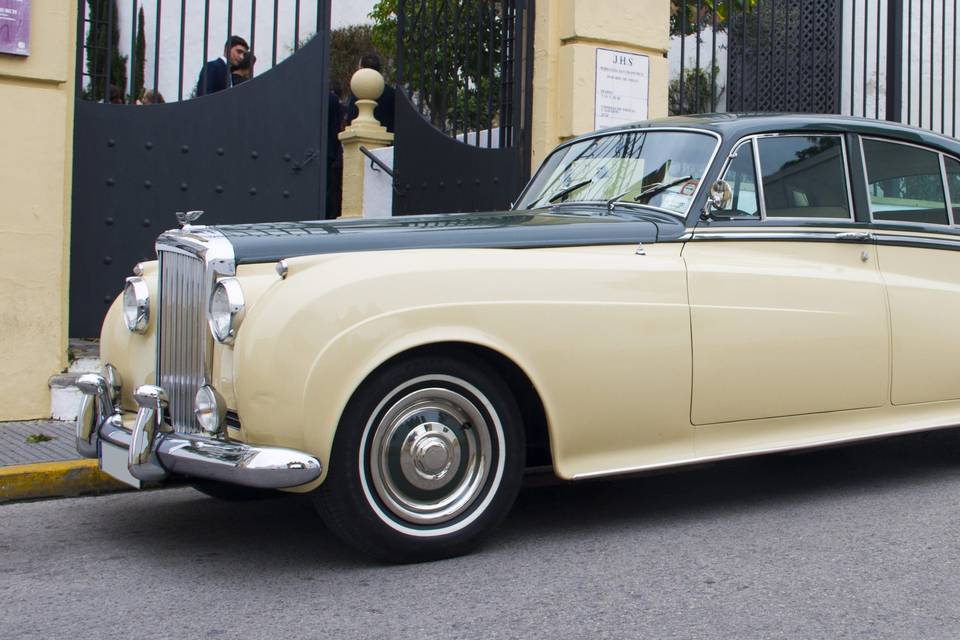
660,186
569,190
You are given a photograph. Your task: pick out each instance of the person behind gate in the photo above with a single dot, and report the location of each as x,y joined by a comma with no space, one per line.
215,74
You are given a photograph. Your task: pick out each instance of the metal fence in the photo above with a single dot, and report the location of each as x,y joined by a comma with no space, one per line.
127,47
457,61
884,59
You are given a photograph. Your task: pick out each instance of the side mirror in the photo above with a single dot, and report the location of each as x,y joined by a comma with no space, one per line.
720,194
719,197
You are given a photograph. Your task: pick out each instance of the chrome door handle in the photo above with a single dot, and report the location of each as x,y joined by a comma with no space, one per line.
855,236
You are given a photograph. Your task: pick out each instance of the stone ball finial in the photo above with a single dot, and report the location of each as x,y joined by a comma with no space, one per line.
367,84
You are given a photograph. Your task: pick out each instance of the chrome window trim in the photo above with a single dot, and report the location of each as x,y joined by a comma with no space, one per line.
761,204
946,191
946,182
601,134
943,184
758,175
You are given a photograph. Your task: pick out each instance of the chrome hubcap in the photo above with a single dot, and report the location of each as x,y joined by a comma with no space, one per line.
430,455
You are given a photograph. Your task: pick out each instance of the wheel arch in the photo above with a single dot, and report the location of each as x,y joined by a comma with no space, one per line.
532,411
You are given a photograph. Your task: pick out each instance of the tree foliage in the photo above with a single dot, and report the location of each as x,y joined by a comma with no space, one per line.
347,45
101,15
685,19
700,92
451,57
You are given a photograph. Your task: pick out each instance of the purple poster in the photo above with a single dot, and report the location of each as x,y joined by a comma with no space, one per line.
15,27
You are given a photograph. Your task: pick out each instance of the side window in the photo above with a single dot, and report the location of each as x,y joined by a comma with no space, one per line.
953,185
804,177
904,183
742,178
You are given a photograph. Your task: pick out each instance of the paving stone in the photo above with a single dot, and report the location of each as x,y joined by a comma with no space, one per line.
15,449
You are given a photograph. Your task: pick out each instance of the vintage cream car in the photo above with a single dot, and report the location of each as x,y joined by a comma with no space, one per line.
662,294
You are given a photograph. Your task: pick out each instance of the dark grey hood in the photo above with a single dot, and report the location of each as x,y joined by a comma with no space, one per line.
501,230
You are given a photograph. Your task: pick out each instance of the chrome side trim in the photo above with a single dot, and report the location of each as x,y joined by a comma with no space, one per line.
917,241
756,452
831,236
812,236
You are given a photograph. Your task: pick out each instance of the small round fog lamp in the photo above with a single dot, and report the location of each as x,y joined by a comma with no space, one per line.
210,409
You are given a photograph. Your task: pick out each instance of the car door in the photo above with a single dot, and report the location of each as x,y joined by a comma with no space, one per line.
919,257
787,306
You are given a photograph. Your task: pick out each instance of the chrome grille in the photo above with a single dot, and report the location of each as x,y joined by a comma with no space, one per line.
183,337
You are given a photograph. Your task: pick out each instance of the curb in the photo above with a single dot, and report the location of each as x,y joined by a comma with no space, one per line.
68,478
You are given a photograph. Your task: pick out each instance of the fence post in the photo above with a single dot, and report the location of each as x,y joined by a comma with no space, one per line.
894,60
365,130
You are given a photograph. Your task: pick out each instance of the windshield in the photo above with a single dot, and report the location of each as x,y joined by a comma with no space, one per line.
660,169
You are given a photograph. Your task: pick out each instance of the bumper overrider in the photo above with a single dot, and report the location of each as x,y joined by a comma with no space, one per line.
155,451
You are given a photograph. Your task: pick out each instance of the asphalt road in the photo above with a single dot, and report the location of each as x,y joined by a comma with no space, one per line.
853,542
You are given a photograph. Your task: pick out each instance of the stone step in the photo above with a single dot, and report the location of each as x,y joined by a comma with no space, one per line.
65,398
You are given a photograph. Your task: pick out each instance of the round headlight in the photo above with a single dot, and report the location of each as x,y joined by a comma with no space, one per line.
226,310
210,409
136,305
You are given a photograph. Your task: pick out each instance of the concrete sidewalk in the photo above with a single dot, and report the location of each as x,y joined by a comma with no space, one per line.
38,459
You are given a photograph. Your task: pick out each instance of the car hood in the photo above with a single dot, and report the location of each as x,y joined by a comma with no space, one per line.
268,242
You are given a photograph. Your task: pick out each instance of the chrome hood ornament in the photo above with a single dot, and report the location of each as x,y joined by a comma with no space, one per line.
188,217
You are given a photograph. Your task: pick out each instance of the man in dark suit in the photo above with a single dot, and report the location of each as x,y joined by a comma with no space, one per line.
384,110
215,75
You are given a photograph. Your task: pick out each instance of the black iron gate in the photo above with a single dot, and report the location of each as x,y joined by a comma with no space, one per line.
253,153
464,70
884,59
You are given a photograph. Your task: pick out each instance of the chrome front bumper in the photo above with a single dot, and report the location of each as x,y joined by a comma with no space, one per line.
154,451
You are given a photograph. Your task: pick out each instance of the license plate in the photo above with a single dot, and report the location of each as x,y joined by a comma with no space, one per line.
113,461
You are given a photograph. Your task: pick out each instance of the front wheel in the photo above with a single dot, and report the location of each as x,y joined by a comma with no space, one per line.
427,460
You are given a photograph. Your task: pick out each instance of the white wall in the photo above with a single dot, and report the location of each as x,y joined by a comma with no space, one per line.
343,13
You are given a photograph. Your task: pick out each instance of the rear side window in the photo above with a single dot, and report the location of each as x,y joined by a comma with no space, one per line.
904,183
804,177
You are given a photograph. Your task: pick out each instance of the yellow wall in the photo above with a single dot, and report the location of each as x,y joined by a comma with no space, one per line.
567,34
36,155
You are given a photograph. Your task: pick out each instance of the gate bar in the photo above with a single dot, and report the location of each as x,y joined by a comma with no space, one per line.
156,51
133,51
895,60
276,11
109,39
183,9
296,26
206,38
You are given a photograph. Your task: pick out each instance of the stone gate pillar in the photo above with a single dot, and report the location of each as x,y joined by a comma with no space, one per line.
567,35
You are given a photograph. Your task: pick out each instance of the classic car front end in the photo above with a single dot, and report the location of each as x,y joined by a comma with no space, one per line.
622,317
